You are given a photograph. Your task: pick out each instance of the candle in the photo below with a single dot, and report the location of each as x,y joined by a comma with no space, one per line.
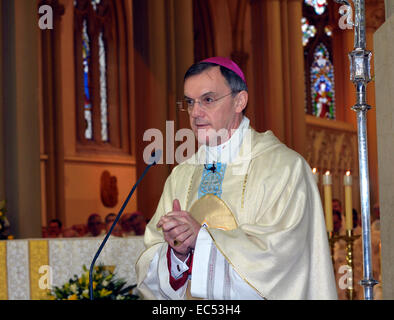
327,183
315,175
347,182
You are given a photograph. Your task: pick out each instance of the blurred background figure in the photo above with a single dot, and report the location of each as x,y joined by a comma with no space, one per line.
139,223
133,224
109,220
337,205
337,219
70,233
80,229
126,224
95,226
54,229
356,222
376,217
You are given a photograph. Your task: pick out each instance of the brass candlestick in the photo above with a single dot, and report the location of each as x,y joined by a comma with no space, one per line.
350,238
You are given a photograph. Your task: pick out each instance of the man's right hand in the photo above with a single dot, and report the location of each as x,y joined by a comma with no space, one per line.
180,230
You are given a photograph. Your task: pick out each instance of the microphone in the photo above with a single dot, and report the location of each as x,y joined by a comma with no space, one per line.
153,160
213,168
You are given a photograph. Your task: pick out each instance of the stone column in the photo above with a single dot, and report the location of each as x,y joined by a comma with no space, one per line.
389,8
2,149
384,78
20,116
296,135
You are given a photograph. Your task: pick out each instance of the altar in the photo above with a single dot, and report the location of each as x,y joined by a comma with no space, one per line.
23,263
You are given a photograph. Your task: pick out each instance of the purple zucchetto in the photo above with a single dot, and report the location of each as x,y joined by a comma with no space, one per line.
227,63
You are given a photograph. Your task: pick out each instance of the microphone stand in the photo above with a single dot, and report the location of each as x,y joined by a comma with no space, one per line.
153,162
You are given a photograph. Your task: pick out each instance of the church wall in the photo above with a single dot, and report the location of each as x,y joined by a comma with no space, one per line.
83,189
332,146
82,169
2,167
384,71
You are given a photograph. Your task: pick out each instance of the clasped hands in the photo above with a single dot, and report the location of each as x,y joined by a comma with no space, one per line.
180,230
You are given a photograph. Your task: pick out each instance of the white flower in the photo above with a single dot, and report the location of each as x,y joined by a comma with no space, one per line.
73,288
105,283
119,297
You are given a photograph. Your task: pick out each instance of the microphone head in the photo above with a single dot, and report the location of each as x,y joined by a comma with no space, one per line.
155,156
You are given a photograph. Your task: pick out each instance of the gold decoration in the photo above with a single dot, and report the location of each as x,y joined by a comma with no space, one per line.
3,271
38,256
350,238
213,212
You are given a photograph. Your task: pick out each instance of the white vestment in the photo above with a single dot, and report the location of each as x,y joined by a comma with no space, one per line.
279,249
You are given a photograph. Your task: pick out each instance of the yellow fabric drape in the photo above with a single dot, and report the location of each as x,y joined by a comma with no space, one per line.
3,271
38,256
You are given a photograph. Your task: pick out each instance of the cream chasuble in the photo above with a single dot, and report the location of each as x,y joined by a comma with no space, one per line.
279,249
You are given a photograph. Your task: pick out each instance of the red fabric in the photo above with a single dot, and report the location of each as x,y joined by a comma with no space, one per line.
178,283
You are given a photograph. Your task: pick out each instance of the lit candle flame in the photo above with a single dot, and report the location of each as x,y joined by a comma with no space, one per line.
327,173
348,173
314,170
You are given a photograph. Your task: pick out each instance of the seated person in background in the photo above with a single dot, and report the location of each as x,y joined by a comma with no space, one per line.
126,224
133,224
80,229
356,222
109,220
54,229
95,226
139,223
337,219
70,233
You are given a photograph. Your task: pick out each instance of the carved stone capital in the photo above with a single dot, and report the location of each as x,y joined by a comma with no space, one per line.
374,13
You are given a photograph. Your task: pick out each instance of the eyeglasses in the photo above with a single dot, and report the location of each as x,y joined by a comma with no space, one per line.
206,101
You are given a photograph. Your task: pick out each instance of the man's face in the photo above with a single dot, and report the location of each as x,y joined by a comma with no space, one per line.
53,229
95,226
225,113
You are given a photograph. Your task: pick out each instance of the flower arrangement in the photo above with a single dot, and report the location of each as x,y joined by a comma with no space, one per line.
105,286
4,223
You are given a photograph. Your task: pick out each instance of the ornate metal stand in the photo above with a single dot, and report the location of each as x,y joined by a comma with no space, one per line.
350,238
360,75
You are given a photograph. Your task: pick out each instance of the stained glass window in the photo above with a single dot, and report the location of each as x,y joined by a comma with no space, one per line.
86,81
317,34
318,5
103,89
308,31
328,31
100,44
322,84
95,3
